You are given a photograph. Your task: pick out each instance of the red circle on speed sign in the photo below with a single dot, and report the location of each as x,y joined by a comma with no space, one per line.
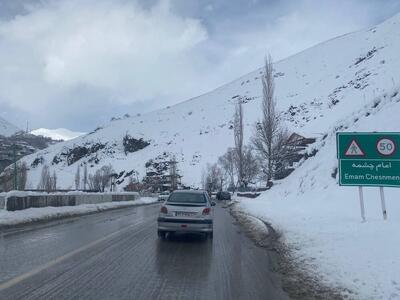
386,146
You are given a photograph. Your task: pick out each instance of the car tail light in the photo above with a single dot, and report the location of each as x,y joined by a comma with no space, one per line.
164,210
206,211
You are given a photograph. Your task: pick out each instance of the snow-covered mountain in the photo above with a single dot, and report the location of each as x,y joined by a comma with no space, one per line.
341,81
57,134
7,129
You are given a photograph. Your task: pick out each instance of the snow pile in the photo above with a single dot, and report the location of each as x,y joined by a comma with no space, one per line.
314,90
7,129
71,193
57,134
30,215
321,221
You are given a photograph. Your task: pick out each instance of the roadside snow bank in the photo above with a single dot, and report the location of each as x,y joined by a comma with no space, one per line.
324,231
9,218
321,222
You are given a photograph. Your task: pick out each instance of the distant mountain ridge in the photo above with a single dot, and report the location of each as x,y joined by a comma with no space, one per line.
57,134
316,91
7,129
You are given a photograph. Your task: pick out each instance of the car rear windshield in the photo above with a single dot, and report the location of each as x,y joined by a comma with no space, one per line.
187,198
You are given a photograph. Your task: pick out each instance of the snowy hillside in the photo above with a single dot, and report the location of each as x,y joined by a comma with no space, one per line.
6,128
321,221
57,134
316,90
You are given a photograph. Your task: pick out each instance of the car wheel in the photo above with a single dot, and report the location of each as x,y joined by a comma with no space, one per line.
161,234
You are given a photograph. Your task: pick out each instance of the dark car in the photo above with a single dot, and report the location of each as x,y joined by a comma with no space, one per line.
223,195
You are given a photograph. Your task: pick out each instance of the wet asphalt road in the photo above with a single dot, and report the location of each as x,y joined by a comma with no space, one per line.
117,255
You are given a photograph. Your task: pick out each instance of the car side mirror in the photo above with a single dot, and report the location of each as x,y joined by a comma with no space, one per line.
213,203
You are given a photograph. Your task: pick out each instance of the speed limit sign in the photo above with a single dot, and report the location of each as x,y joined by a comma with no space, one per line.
386,146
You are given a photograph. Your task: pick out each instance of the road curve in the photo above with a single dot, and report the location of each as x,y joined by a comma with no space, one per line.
117,255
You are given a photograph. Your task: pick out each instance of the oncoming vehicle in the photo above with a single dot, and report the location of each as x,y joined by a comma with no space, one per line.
163,196
186,211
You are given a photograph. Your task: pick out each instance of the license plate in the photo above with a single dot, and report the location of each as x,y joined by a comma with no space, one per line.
184,214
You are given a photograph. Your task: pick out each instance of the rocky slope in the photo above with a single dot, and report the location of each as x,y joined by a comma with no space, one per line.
315,90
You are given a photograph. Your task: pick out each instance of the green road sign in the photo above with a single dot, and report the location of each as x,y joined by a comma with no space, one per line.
368,158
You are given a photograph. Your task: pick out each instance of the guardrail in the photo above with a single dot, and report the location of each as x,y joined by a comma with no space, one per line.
248,195
22,200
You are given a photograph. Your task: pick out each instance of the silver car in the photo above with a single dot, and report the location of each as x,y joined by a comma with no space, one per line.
186,211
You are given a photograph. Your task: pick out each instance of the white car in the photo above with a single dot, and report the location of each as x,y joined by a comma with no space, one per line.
163,196
186,211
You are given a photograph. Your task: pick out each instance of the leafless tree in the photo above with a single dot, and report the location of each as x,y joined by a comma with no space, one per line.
204,178
214,178
238,135
251,167
85,177
100,180
44,179
53,186
227,163
105,175
94,181
78,178
6,180
283,151
47,182
22,173
270,136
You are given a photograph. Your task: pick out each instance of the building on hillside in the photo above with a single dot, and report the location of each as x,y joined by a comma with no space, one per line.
7,154
296,146
162,175
300,142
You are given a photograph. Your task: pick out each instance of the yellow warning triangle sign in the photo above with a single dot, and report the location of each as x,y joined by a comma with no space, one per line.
354,149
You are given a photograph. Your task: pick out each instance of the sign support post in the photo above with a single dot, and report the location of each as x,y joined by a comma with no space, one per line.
360,192
369,159
383,203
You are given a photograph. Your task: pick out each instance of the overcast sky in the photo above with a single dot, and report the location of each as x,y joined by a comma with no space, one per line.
77,63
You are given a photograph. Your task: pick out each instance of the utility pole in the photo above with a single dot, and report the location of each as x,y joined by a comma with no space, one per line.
173,174
15,186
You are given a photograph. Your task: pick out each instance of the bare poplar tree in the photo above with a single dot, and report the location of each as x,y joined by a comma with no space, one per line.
54,182
45,181
105,176
238,135
78,178
94,181
22,176
269,134
85,177
251,167
204,179
227,163
214,178
6,181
